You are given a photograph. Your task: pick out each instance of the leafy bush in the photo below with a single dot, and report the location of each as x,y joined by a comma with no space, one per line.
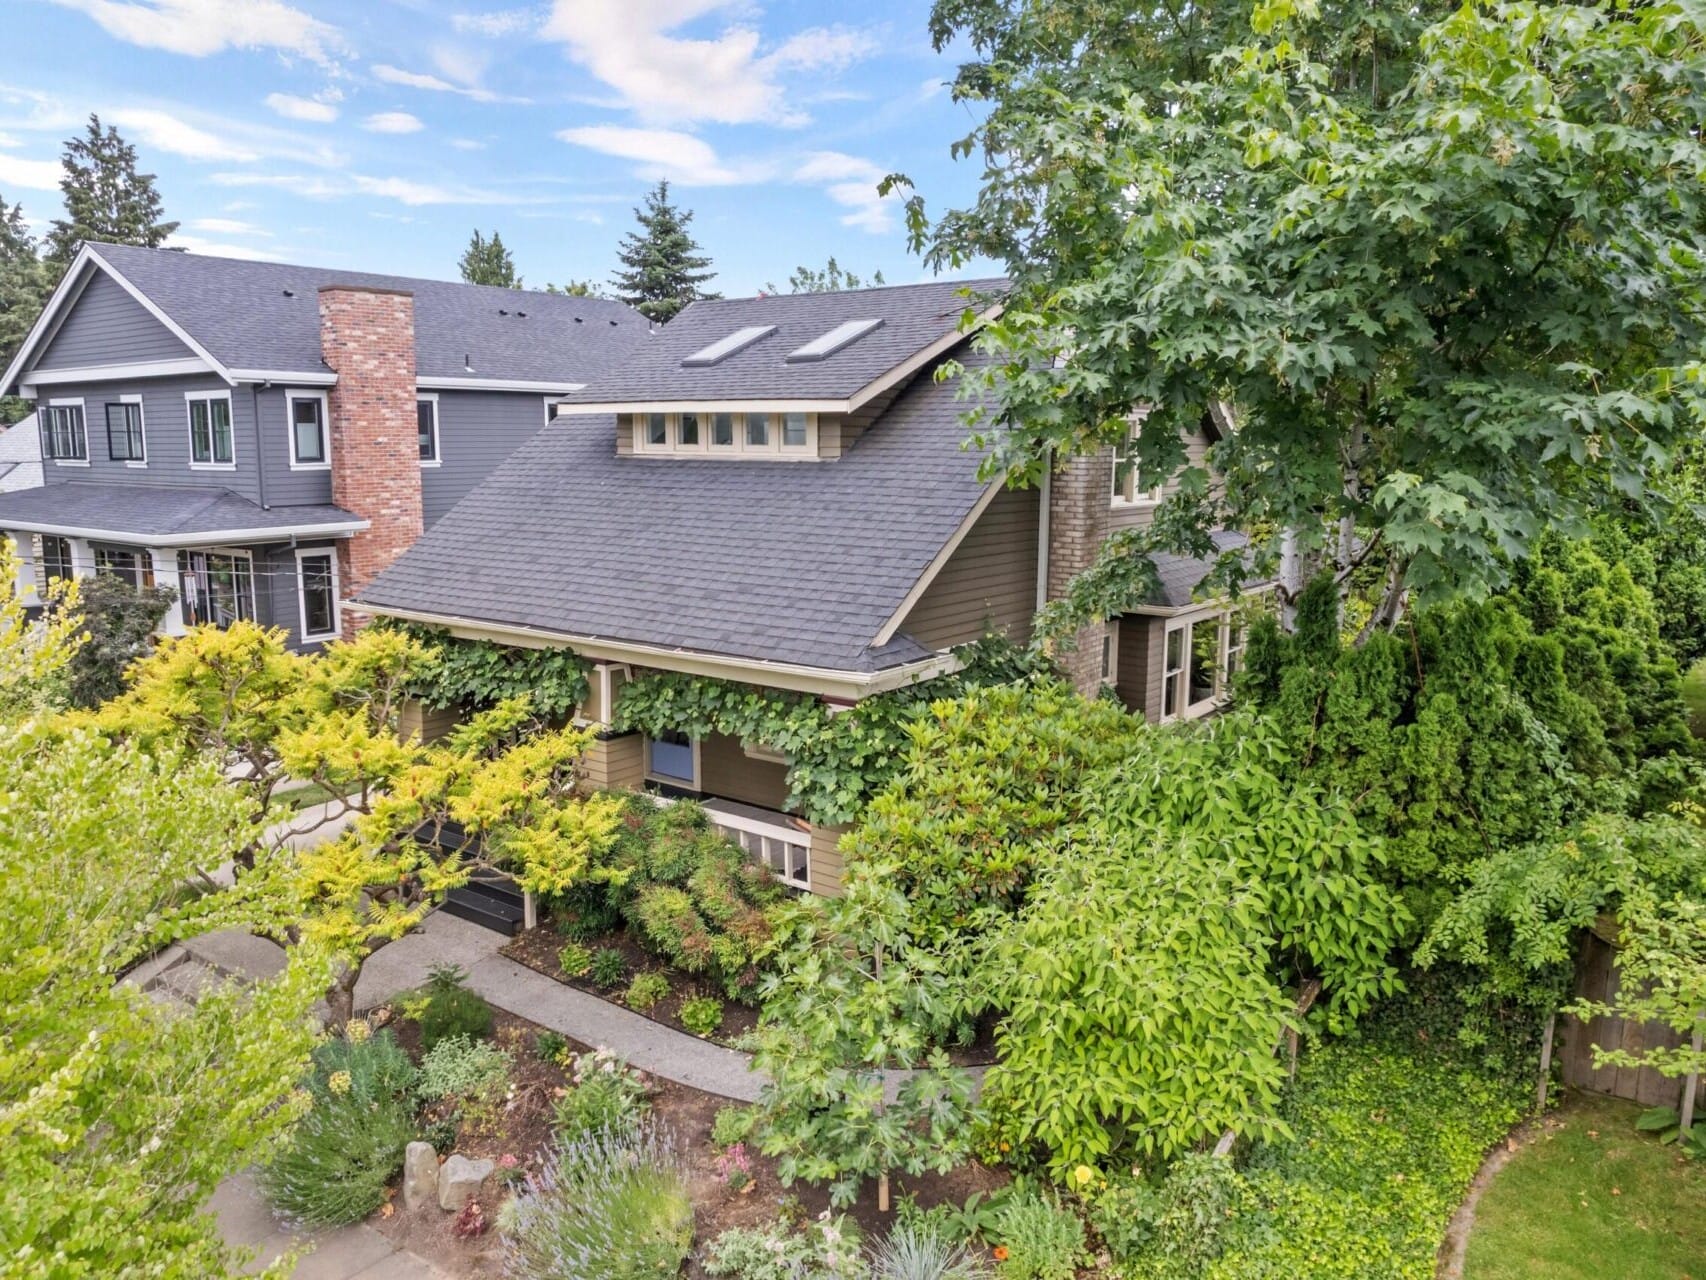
733,1124
826,1248
608,1097
646,990
574,960
609,967
350,1143
457,1067
451,1009
551,1046
702,1015
584,912
1042,1239
923,1250
118,626
1124,1214
606,1206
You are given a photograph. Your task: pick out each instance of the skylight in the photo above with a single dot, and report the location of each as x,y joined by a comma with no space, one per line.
821,348
723,348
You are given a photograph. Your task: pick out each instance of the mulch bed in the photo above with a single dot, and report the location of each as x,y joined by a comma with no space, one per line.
538,948
524,1131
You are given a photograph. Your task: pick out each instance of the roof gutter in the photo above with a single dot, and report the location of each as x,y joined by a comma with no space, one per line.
823,681
204,538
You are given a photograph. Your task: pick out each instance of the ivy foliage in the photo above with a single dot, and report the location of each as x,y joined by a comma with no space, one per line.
838,758
478,674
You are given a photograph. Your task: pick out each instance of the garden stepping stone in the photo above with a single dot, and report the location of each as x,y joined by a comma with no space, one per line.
459,1180
420,1175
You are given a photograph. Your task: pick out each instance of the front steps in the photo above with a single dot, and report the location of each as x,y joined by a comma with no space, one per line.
494,902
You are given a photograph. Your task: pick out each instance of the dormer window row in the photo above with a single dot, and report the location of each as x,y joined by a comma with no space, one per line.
727,434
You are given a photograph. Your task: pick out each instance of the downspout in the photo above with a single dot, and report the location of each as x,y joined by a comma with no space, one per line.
260,459
1043,532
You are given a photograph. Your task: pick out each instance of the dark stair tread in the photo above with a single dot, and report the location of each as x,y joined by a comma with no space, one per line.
495,913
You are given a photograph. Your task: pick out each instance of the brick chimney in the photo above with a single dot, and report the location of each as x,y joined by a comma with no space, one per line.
1080,493
367,337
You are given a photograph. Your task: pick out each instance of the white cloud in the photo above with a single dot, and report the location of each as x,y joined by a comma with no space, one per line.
852,183
435,84
163,130
34,175
218,249
227,227
405,191
467,144
311,110
461,62
202,27
662,153
392,122
504,22
673,80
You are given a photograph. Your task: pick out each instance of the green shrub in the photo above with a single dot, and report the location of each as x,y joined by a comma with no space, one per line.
609,967
608,1097
924,1250
551,1046
823,1249
702,1015
574,960
733,1124
451,1009
347,1147
584,912
607,1206
457,1067
1124,1214
1694,698
1043,1239
646,990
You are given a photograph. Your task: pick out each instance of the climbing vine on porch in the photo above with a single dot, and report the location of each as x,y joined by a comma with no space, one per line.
838,759
482,673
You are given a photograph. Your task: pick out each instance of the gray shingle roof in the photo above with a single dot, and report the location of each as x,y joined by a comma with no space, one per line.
768,561
913,317
130,511
239,312
1180,575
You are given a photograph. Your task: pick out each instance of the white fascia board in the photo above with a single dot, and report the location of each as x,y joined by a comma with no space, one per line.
918,359
824,681
113,372
1195,607
941,558
201,538
713,405
294,377
433,383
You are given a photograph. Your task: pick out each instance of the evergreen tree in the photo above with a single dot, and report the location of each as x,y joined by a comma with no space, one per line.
578,289
664,265
23,289
488,262
832,279
105,197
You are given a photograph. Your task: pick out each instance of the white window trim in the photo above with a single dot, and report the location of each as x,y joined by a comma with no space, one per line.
774,448
664,778
437,436
66,404
290,399
1219,617
235,553
1138,499
142,417
765,752
1111,652
312,553
189,429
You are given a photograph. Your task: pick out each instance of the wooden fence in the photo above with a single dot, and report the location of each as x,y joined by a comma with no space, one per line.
1597,979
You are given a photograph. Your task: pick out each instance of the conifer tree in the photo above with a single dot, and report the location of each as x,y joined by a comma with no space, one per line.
105,197
23,289
664,268
488,262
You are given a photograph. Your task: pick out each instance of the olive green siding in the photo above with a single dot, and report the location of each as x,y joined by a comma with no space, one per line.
726,770
989,583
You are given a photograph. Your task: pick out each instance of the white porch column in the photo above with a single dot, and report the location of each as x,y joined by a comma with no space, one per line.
82,558
23,546
166,575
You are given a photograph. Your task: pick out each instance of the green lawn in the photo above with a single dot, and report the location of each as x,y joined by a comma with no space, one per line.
1593,1199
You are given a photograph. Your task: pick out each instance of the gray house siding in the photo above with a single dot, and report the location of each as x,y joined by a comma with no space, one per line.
276,600
166,430
108,326
476,431
284,487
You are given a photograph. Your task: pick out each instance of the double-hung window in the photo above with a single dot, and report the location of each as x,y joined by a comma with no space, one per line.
125,442
210,430
317,593
309,448
1199,658
218,587
64,437
1129,488
426,427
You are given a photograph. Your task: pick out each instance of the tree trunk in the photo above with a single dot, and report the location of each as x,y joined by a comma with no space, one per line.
1290,580
340,998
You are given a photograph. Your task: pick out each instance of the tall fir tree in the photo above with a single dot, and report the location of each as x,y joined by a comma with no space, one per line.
488,262
23,288
105,197
664,266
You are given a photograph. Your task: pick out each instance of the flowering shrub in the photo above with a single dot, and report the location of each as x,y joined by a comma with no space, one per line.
608,1096
827,1248
607,1204
734,1167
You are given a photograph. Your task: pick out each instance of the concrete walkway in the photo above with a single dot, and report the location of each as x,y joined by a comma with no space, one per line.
355,1252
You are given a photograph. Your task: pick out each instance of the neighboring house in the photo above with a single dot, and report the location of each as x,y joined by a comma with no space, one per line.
776,490
265,437
20,456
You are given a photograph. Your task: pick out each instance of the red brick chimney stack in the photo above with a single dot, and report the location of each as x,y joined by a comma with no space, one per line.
367,337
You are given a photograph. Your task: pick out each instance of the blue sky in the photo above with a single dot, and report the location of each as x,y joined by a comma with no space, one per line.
377,135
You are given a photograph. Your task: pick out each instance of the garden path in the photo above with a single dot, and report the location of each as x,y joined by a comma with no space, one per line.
356,1252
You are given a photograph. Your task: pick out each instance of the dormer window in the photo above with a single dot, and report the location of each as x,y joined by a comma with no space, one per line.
726,434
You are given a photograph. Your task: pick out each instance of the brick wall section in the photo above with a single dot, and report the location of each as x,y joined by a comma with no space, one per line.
367,337
1080,494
